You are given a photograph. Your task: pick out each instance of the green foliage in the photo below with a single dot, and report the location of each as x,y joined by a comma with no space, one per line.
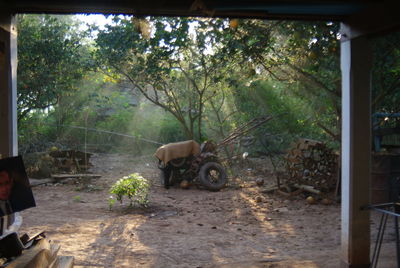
262,98
134,187
171,67
309,57
111,202
386,74
51,60
302,55
170,130
190,79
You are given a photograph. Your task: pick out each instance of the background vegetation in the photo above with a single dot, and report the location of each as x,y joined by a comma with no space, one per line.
140,82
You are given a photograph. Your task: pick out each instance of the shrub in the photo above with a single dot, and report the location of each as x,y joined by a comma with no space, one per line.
134,187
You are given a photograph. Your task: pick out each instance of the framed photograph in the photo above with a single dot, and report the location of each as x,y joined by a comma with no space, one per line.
15,190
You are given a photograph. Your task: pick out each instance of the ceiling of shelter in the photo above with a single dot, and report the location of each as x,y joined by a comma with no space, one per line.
278,9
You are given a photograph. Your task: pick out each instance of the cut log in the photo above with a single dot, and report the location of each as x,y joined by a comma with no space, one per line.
269,190
289,194
307,188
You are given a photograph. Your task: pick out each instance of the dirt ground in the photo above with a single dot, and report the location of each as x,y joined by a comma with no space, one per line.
187,228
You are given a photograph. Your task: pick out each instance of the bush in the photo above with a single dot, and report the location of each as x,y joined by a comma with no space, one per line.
134,187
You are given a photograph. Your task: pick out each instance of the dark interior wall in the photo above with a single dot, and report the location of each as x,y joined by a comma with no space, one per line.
283,9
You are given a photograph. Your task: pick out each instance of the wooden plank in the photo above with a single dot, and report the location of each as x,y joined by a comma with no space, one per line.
42,259
37,182
65,176
65,262
54,249
38,255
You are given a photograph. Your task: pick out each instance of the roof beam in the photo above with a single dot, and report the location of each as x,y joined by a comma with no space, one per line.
333,10
378,19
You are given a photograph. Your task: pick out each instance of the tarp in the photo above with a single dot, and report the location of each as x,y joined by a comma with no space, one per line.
177,150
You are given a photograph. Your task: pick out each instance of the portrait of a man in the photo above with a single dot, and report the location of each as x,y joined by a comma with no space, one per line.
15,191
6,184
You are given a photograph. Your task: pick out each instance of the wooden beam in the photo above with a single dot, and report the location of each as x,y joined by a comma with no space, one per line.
8,86
263,9
379,18
356,150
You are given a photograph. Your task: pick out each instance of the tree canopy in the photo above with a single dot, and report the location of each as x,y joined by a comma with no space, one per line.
188,78
51,60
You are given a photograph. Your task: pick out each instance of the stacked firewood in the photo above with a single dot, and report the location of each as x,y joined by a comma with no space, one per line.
312,163
42,164
71,161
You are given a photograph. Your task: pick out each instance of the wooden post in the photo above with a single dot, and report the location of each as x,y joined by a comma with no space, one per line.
356,150
8,86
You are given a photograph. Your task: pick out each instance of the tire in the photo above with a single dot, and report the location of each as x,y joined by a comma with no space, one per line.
178,162
162,177
167,171
213,176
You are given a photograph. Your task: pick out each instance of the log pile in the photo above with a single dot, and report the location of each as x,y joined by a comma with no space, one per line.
312,163
42,164
71,161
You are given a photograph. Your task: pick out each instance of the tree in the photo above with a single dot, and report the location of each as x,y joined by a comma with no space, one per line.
51,60
303,55
386,74
174,66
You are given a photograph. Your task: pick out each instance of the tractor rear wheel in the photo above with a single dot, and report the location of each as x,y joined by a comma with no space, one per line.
213,176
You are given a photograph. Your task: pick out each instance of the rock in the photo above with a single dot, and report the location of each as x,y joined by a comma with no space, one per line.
310,200
184,184
326,201
282,209
260,181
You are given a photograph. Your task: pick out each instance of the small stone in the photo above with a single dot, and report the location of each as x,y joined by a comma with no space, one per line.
282,209
326,201
184,184
310,200
260,181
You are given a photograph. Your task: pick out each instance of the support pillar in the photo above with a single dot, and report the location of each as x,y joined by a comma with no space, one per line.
356,150
8,86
